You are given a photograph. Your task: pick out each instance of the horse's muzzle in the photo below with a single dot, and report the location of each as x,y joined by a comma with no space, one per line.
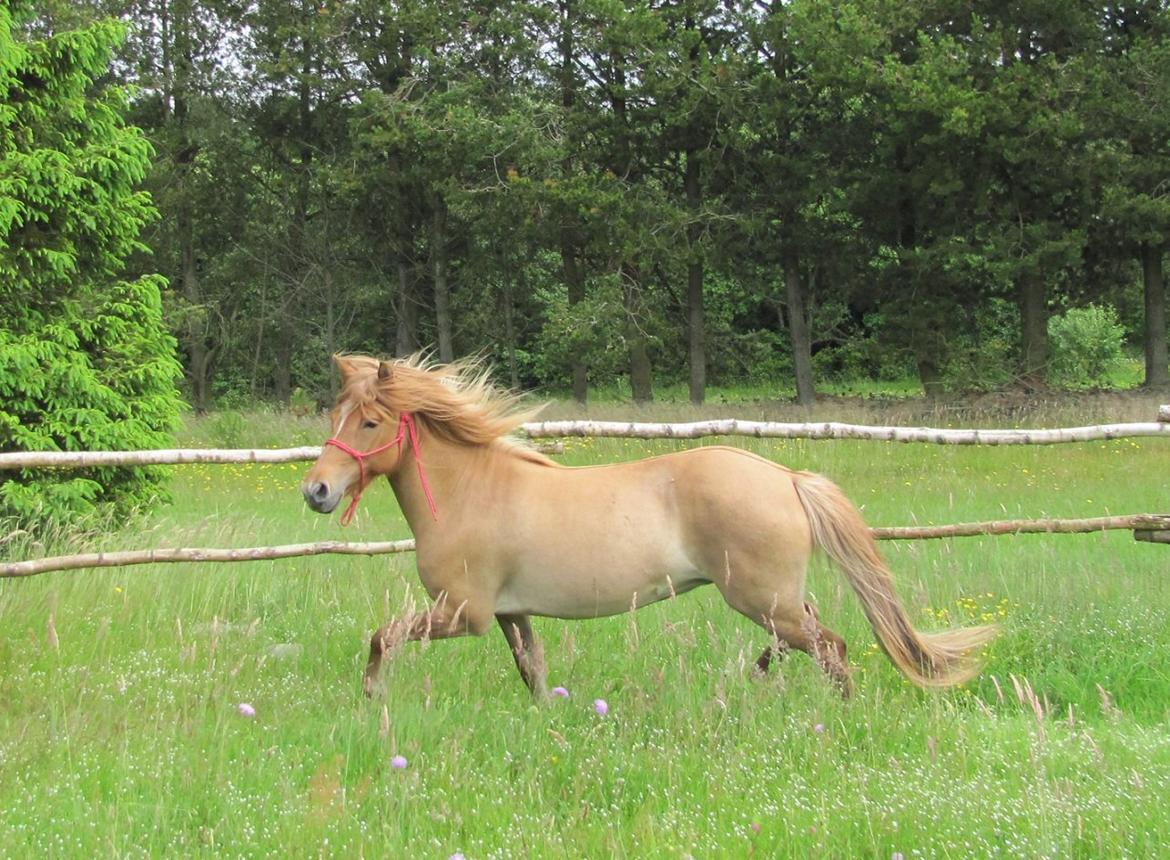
320,496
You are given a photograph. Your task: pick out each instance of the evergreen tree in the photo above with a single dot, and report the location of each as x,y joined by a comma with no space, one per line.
85,360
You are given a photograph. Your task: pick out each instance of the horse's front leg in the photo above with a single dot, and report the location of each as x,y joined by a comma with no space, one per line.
527,651
446,619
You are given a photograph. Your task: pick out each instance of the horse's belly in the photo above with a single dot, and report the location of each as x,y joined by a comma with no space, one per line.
573,590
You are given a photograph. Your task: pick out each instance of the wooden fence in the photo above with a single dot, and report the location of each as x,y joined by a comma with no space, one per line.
620,429
1146,527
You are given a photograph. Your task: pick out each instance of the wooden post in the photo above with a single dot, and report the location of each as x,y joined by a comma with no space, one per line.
1152,536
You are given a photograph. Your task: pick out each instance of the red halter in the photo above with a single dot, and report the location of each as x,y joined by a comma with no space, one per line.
406,426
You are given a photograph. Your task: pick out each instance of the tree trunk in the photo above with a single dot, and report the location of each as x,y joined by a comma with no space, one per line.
1157,374
798,329
330,298
282,370
406,310
510,332
930,375
198,355
261,320
696,324
1034,315
640,370
195,332
439,270
640,381
575,282
574,276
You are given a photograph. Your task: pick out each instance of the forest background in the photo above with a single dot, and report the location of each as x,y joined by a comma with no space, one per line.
651,193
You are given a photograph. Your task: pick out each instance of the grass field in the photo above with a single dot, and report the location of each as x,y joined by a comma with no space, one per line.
121,732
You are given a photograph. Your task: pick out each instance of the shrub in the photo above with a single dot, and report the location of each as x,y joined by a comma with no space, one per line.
592,328
1086,347
985,355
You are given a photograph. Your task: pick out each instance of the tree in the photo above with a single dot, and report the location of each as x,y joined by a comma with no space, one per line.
684,78
1128,106
175,59
85,360
788,174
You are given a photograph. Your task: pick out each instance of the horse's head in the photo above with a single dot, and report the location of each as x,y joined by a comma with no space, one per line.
367,438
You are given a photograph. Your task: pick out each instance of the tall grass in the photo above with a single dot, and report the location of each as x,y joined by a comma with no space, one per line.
121,734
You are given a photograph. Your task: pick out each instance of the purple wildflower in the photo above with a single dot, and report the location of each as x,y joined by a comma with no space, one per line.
246,710
398,762
560,691
601,707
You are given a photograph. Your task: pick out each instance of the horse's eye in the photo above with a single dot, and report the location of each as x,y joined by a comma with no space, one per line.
369,425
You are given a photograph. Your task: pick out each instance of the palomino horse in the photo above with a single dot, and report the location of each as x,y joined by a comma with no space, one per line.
503,532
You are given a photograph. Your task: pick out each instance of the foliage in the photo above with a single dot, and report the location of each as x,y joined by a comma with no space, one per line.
1087,347
85,362
385,177
863,352
984,356
591,329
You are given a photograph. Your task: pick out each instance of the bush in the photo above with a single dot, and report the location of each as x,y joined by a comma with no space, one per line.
1086,346
985,356
865,353
592,329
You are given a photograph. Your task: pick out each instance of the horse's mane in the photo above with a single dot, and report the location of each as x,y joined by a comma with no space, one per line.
456,401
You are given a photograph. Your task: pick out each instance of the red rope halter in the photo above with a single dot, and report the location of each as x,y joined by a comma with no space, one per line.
406,428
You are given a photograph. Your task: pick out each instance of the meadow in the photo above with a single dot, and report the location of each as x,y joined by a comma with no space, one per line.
122,731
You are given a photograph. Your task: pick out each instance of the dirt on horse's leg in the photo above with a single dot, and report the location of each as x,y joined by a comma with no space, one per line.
527,651
446,619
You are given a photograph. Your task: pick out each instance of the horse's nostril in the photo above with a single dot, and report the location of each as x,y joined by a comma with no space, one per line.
320,491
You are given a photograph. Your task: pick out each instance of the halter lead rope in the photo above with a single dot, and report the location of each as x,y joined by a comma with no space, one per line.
406,428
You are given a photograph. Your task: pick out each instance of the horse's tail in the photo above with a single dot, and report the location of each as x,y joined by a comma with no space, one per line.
927,659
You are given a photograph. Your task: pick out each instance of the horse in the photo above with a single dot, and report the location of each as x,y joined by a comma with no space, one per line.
503,532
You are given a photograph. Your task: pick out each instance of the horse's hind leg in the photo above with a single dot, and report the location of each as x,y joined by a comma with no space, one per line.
794,625
828,649
527,652
776,651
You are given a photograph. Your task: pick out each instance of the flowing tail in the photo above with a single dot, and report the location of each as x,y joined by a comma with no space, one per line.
927,659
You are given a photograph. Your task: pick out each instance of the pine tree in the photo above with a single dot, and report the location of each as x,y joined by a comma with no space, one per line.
85,360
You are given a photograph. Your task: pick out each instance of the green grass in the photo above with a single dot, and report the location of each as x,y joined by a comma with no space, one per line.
125,738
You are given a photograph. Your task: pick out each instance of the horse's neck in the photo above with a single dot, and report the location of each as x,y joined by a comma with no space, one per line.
456,475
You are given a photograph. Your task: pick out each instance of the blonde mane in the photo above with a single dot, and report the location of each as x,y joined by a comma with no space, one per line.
457,401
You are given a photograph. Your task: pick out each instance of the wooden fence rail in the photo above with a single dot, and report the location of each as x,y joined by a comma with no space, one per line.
126,558
1149,527
619,429
836,430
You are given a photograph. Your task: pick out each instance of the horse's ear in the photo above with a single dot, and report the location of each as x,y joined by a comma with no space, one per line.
385,371
344,366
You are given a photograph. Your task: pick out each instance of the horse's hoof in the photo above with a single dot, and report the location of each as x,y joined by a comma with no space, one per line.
369,686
